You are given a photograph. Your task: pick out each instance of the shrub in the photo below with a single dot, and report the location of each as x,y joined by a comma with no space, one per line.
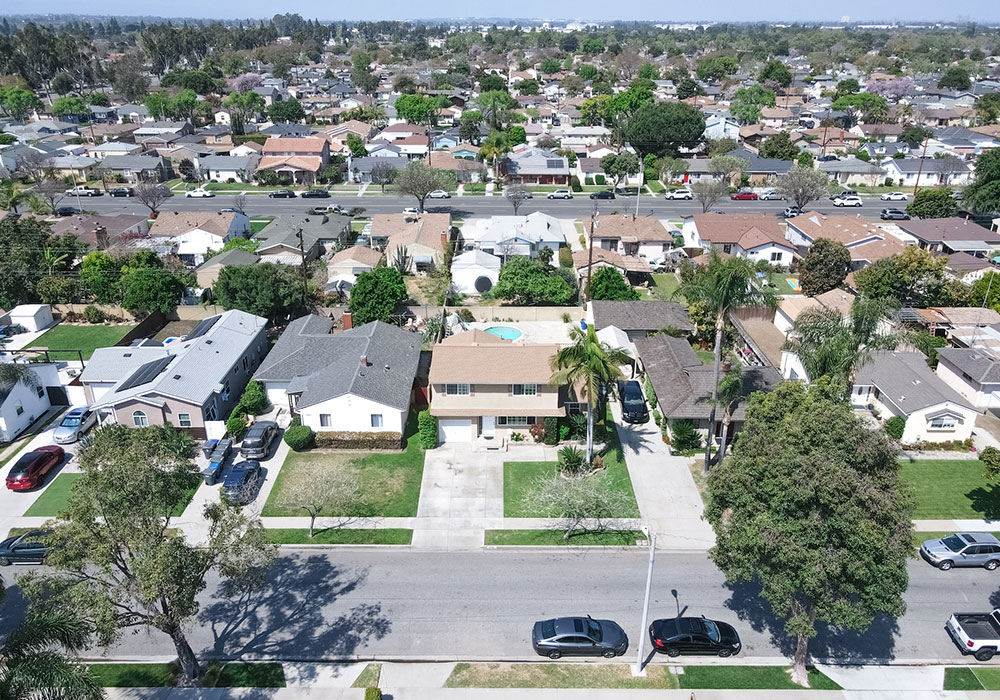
517,437
895,427
236,424
563,431
552,430
577,426
574,183
373,694
888,182
588,180
599,180
92,314
650,393
685,437
537,431
466,316
597,463
254,400
565,257
572,461
299,437
566,318
355,440
427,426
990,457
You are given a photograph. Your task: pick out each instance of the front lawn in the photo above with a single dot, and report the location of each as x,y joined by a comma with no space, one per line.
554,538
519,479
337,536
83,338
550,675
972,678
664,286
231,675
389,481
949,489
56,495
749,677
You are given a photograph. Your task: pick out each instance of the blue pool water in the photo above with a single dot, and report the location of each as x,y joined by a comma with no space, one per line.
505,332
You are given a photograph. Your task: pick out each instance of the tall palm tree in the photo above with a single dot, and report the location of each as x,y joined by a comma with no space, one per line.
33,662
12,373
588,364
730,392
10,196
724,285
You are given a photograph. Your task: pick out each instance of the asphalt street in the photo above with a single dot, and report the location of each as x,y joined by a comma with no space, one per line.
324,605
466,207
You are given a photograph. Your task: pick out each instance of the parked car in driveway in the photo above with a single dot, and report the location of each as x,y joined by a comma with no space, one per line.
694,635
281,194
199,193
744,194
26,548
634,408
962,549
578,636
241,482
603,194
893,197
894,215
439,194
315,194
848,201
257,441
74,425
122,192
31,469
560,194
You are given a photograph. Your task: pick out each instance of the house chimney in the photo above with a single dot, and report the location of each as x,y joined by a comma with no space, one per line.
347,322
101,234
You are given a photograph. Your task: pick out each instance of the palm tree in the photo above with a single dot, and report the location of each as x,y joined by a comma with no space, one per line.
730,392
588,364
828,347
10,196
724,285
32,661
12,373
53,259
494,147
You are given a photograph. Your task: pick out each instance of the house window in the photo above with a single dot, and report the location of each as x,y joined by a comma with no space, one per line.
456,389
524,389
210,412
139,419
18,408
943,423
776,256
225,391
727,248
40,391
324,420
515,420
575,408
376,420
183,420
246,361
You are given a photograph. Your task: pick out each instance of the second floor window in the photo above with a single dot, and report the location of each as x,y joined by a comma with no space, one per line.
456,389
524,389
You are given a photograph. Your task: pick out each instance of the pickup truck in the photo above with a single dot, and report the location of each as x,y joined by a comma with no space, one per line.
82,191
976,633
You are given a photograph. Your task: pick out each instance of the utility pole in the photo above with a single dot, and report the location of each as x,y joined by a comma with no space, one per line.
303,266
637,667
920,168
642,183
590,249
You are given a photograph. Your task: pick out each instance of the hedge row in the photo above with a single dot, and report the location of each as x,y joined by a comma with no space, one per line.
352,440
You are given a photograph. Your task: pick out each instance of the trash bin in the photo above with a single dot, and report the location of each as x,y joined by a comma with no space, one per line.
207,447
210,476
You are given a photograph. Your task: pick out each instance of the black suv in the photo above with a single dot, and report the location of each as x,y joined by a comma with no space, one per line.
257,442
634,409
315,194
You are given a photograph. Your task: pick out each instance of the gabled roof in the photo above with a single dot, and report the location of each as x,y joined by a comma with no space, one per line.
233,256
746,230
905,380
982,367
948,230
301,146
864,240
361,254
176,223
640,315
477,357
631,229
582,260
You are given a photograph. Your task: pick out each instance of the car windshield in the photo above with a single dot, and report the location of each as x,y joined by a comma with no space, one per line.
953,542
712,630
594,631
70,422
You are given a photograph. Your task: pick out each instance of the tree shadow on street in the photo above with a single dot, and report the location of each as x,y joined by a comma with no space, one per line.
295,616
848,647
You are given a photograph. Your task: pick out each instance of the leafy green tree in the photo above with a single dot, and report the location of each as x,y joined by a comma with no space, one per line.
496,107
416,109
805,160
272,291
66,106
870,107
289,110
18,102
983,195
720,147
468,128
527,282
988,107
956,78
689,87
243,107
588,363
721,286
404,85
824,267
608,284
850,86
549,66
101,276
492,83
62,83
128,77
516,135
147,286
914,135
23,241
527,87
748,102
117,562
664,127
836,479
376,294
618,166
986,291
356,145
779,146
932,203
184,104
730,392
716,67
776,72
57,289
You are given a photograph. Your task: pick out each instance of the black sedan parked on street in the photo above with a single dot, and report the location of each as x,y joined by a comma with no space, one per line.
578,636
694,635
603,194
122,192
315,194
281,194
27,548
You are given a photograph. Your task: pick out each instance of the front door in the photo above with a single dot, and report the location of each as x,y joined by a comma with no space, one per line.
489,425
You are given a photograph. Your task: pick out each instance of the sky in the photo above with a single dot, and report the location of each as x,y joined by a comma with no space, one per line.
594,10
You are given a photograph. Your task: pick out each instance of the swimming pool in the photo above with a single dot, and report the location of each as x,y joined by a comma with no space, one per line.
505,332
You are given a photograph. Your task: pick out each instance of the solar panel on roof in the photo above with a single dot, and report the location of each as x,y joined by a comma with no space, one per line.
553,164
146,373
202,328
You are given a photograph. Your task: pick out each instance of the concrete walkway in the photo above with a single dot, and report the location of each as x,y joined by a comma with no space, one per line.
669,502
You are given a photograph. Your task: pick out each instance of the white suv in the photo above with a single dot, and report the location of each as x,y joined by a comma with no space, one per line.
560,194
682,193
847,202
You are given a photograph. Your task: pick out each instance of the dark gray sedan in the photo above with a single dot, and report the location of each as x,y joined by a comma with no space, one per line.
578,636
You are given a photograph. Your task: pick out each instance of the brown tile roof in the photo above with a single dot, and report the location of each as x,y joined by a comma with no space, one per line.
851,231
362,254
407,229
310,163
775,113
465,147
304,146
175,223
746,230
628,263
85,227
473,358
629,228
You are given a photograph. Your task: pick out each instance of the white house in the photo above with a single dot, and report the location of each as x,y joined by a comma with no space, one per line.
21,405
360,380
32,317
224,168
972,372
343,268
195,233
475,272
516,235
757,237
901,384
935,171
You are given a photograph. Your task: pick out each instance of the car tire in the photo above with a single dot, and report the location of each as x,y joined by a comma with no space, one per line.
672,652
984,654
945,565
992,565
555,654
609,654
4,561
725,653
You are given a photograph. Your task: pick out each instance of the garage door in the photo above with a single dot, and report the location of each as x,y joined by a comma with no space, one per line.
455,430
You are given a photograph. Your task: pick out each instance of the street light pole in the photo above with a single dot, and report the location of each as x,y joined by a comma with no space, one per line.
637,667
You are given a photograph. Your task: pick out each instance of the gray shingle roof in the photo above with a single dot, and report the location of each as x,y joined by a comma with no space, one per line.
981,367
905,380
323,366
641,315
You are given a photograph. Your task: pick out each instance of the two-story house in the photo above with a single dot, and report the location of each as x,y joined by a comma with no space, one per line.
484,386
299,159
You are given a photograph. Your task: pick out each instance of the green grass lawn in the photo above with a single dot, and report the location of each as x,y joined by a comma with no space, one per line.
972,678
610,538
231,675
707,357
389,481
553,675
949,489
780,280
55,496
665,285
369,677
656,186
134,675
519,479
259,224
336,536
749,677
83,338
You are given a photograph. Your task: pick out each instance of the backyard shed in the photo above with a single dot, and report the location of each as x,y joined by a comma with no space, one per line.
33,317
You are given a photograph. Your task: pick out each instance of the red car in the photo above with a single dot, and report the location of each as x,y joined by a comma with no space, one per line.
744,195
30,470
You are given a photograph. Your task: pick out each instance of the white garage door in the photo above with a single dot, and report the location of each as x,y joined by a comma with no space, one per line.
454,430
